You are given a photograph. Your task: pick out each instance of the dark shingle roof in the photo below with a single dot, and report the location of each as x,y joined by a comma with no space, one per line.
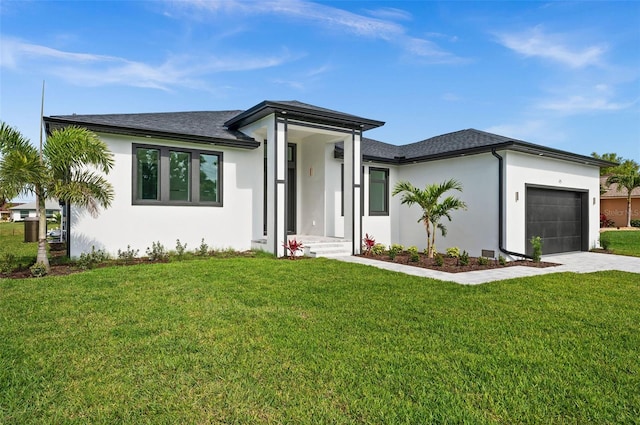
200,126
458,143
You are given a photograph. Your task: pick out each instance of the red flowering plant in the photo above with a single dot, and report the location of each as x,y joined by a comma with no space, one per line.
605,222
368,243
293,246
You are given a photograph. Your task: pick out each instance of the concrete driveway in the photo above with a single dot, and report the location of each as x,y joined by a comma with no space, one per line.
577,262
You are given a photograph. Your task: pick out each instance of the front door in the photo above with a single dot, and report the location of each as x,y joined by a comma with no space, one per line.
291,188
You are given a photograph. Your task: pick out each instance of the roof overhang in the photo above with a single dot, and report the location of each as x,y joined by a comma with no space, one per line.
246,143
302,113
509,145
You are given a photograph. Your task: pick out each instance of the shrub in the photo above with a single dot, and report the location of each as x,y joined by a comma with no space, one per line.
157,252
88,260
483,261
536,243
128,255
394,250
368,243
414,255
38,270
293,246
605,241
378,249
453,252
7,262
635,223
439,260
464,259
180,249
605,222
502,261
203,249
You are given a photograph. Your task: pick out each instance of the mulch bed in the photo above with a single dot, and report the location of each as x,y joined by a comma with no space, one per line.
451,265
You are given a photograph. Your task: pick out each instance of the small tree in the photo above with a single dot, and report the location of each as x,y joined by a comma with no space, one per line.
64,170
432,210
626,176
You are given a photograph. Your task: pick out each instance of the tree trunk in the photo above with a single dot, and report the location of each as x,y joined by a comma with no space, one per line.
629,207
429,247
42,231
433,241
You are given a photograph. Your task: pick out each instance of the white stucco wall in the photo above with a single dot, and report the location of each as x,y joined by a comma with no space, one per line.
523,169
139,225
472,230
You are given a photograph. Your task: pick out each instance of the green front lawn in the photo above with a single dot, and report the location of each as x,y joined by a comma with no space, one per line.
624,242
258,340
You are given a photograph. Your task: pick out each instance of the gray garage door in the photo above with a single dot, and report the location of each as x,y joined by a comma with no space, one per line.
558,216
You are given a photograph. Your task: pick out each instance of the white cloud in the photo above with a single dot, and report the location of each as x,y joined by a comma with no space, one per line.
532,131
391,13
98,70
536,43
579,104
379,27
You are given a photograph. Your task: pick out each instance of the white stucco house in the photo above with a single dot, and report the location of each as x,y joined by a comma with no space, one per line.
28,210
284,169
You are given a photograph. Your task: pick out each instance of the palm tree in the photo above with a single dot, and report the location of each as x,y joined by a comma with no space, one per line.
432,210
69,168
626,176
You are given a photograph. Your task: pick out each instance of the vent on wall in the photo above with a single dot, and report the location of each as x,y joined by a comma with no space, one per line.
488,253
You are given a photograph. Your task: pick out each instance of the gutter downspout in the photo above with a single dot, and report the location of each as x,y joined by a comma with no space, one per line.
501,209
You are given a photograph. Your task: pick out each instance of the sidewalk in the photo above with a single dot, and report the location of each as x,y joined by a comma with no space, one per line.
577,262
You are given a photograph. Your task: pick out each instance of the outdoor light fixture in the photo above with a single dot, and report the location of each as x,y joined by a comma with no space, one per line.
517,196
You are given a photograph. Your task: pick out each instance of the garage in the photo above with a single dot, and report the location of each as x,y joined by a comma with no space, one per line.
559,217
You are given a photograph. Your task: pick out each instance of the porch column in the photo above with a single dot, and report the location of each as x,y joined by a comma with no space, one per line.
353,191
276,185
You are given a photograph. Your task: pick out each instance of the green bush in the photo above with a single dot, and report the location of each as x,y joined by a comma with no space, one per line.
88,260
439,260
157,252
394,250
414,254
453,252
128,255
180,250
7,262
483,261
605,241
502,261
635,223
378,249
464,259
536,243
38,270
203,249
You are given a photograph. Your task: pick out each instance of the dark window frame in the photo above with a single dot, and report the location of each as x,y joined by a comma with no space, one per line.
385,211
163,172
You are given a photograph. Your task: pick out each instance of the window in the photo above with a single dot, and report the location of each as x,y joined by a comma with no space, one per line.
378,191
172,176
24,213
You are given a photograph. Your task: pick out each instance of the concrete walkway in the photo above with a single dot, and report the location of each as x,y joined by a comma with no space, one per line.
577,262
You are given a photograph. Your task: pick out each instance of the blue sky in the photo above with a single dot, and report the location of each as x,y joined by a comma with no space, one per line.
560,74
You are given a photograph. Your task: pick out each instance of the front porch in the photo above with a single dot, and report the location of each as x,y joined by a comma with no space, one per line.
314,246
307,192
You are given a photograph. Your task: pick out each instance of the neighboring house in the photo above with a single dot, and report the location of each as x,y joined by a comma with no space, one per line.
255,178
613,203
22,211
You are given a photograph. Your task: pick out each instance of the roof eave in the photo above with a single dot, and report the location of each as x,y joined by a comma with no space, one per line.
247,143
266,108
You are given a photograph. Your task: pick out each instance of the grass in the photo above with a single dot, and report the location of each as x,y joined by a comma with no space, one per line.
257,340
624,242
12,241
